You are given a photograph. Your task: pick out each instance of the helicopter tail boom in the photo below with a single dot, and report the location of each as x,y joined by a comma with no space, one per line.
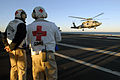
76,27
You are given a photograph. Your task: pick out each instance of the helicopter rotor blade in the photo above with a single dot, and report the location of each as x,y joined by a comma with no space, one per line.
77,17
98,15
83,20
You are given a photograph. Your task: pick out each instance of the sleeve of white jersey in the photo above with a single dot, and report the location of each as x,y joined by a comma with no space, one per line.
57,34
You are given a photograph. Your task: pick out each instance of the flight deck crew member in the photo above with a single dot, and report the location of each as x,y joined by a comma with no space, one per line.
14,44
43,34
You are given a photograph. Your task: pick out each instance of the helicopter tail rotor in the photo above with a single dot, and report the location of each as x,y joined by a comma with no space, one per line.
74,26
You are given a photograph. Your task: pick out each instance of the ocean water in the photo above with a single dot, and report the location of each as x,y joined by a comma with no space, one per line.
99,33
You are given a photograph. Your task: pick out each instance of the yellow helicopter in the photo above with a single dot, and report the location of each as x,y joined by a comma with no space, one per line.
89,22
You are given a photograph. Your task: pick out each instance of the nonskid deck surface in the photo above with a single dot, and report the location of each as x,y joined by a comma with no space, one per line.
80,57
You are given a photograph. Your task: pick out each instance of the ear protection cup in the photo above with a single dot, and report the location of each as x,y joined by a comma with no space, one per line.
23,15
34,14
45,16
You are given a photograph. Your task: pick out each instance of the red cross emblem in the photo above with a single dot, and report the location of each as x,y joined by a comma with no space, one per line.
41,10
39,33
16,12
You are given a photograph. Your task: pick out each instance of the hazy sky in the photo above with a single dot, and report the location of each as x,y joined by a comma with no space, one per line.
59,10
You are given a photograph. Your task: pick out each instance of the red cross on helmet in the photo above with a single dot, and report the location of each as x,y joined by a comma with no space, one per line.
20,14
39,12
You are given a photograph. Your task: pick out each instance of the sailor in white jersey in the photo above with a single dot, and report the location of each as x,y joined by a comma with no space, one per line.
42,35
14,44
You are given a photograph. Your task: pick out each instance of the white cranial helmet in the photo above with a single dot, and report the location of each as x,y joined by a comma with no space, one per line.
20,14
39,12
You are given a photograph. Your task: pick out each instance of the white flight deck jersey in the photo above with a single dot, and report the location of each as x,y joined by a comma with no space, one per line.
12,29
42,31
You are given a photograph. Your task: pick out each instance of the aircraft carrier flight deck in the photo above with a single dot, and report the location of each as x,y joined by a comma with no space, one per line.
80,57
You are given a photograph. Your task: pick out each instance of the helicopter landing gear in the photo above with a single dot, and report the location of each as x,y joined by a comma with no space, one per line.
79,27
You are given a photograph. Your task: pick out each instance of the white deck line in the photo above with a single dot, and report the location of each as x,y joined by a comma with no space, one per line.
91,49
89,64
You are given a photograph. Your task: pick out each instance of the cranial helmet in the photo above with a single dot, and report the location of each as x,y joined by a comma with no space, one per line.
20,14
39,12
